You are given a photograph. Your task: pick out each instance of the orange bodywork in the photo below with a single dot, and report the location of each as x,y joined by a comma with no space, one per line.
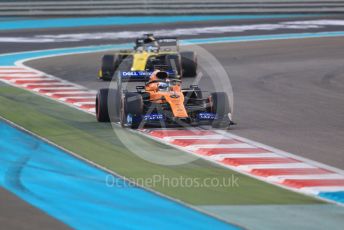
174,97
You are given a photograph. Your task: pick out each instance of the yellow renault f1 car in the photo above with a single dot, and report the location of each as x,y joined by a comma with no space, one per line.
150,51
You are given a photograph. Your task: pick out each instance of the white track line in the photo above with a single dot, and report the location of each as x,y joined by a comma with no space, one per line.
241,155
205,137
22,76
30,79
59,88
17,71
71,94
197,146
305,177
82,103
76,98
9,71
275,166
12,67
318,189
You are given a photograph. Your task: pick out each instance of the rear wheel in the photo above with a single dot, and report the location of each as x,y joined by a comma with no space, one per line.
131,110
189,63
219,105
173,62
110,64
107,105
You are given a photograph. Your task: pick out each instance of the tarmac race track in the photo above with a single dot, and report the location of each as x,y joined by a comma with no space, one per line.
287,93
17,214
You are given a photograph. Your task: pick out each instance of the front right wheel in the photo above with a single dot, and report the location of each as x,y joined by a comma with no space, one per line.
219,105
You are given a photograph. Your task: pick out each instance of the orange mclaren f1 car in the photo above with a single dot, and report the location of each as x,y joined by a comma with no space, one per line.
161,102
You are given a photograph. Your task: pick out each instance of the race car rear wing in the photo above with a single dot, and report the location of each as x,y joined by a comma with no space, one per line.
162,42
167,40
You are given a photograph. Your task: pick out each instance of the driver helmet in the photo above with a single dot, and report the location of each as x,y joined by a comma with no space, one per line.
149,38
161,75
163,86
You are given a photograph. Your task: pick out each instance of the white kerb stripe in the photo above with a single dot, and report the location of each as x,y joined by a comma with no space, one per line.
214,146
243,155
206,137
76,93
304,177
275,166
317,189
88,97
15,71
60,88
22,75
31,78
82,103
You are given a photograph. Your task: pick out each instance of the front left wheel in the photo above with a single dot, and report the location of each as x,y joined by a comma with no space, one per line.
107,105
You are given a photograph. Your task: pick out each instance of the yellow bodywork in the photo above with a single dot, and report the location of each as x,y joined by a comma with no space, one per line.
140,58
139,61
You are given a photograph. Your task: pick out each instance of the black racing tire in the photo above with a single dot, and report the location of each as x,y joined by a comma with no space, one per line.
107,105
174,63
108,67
189,63
132,105
219,104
